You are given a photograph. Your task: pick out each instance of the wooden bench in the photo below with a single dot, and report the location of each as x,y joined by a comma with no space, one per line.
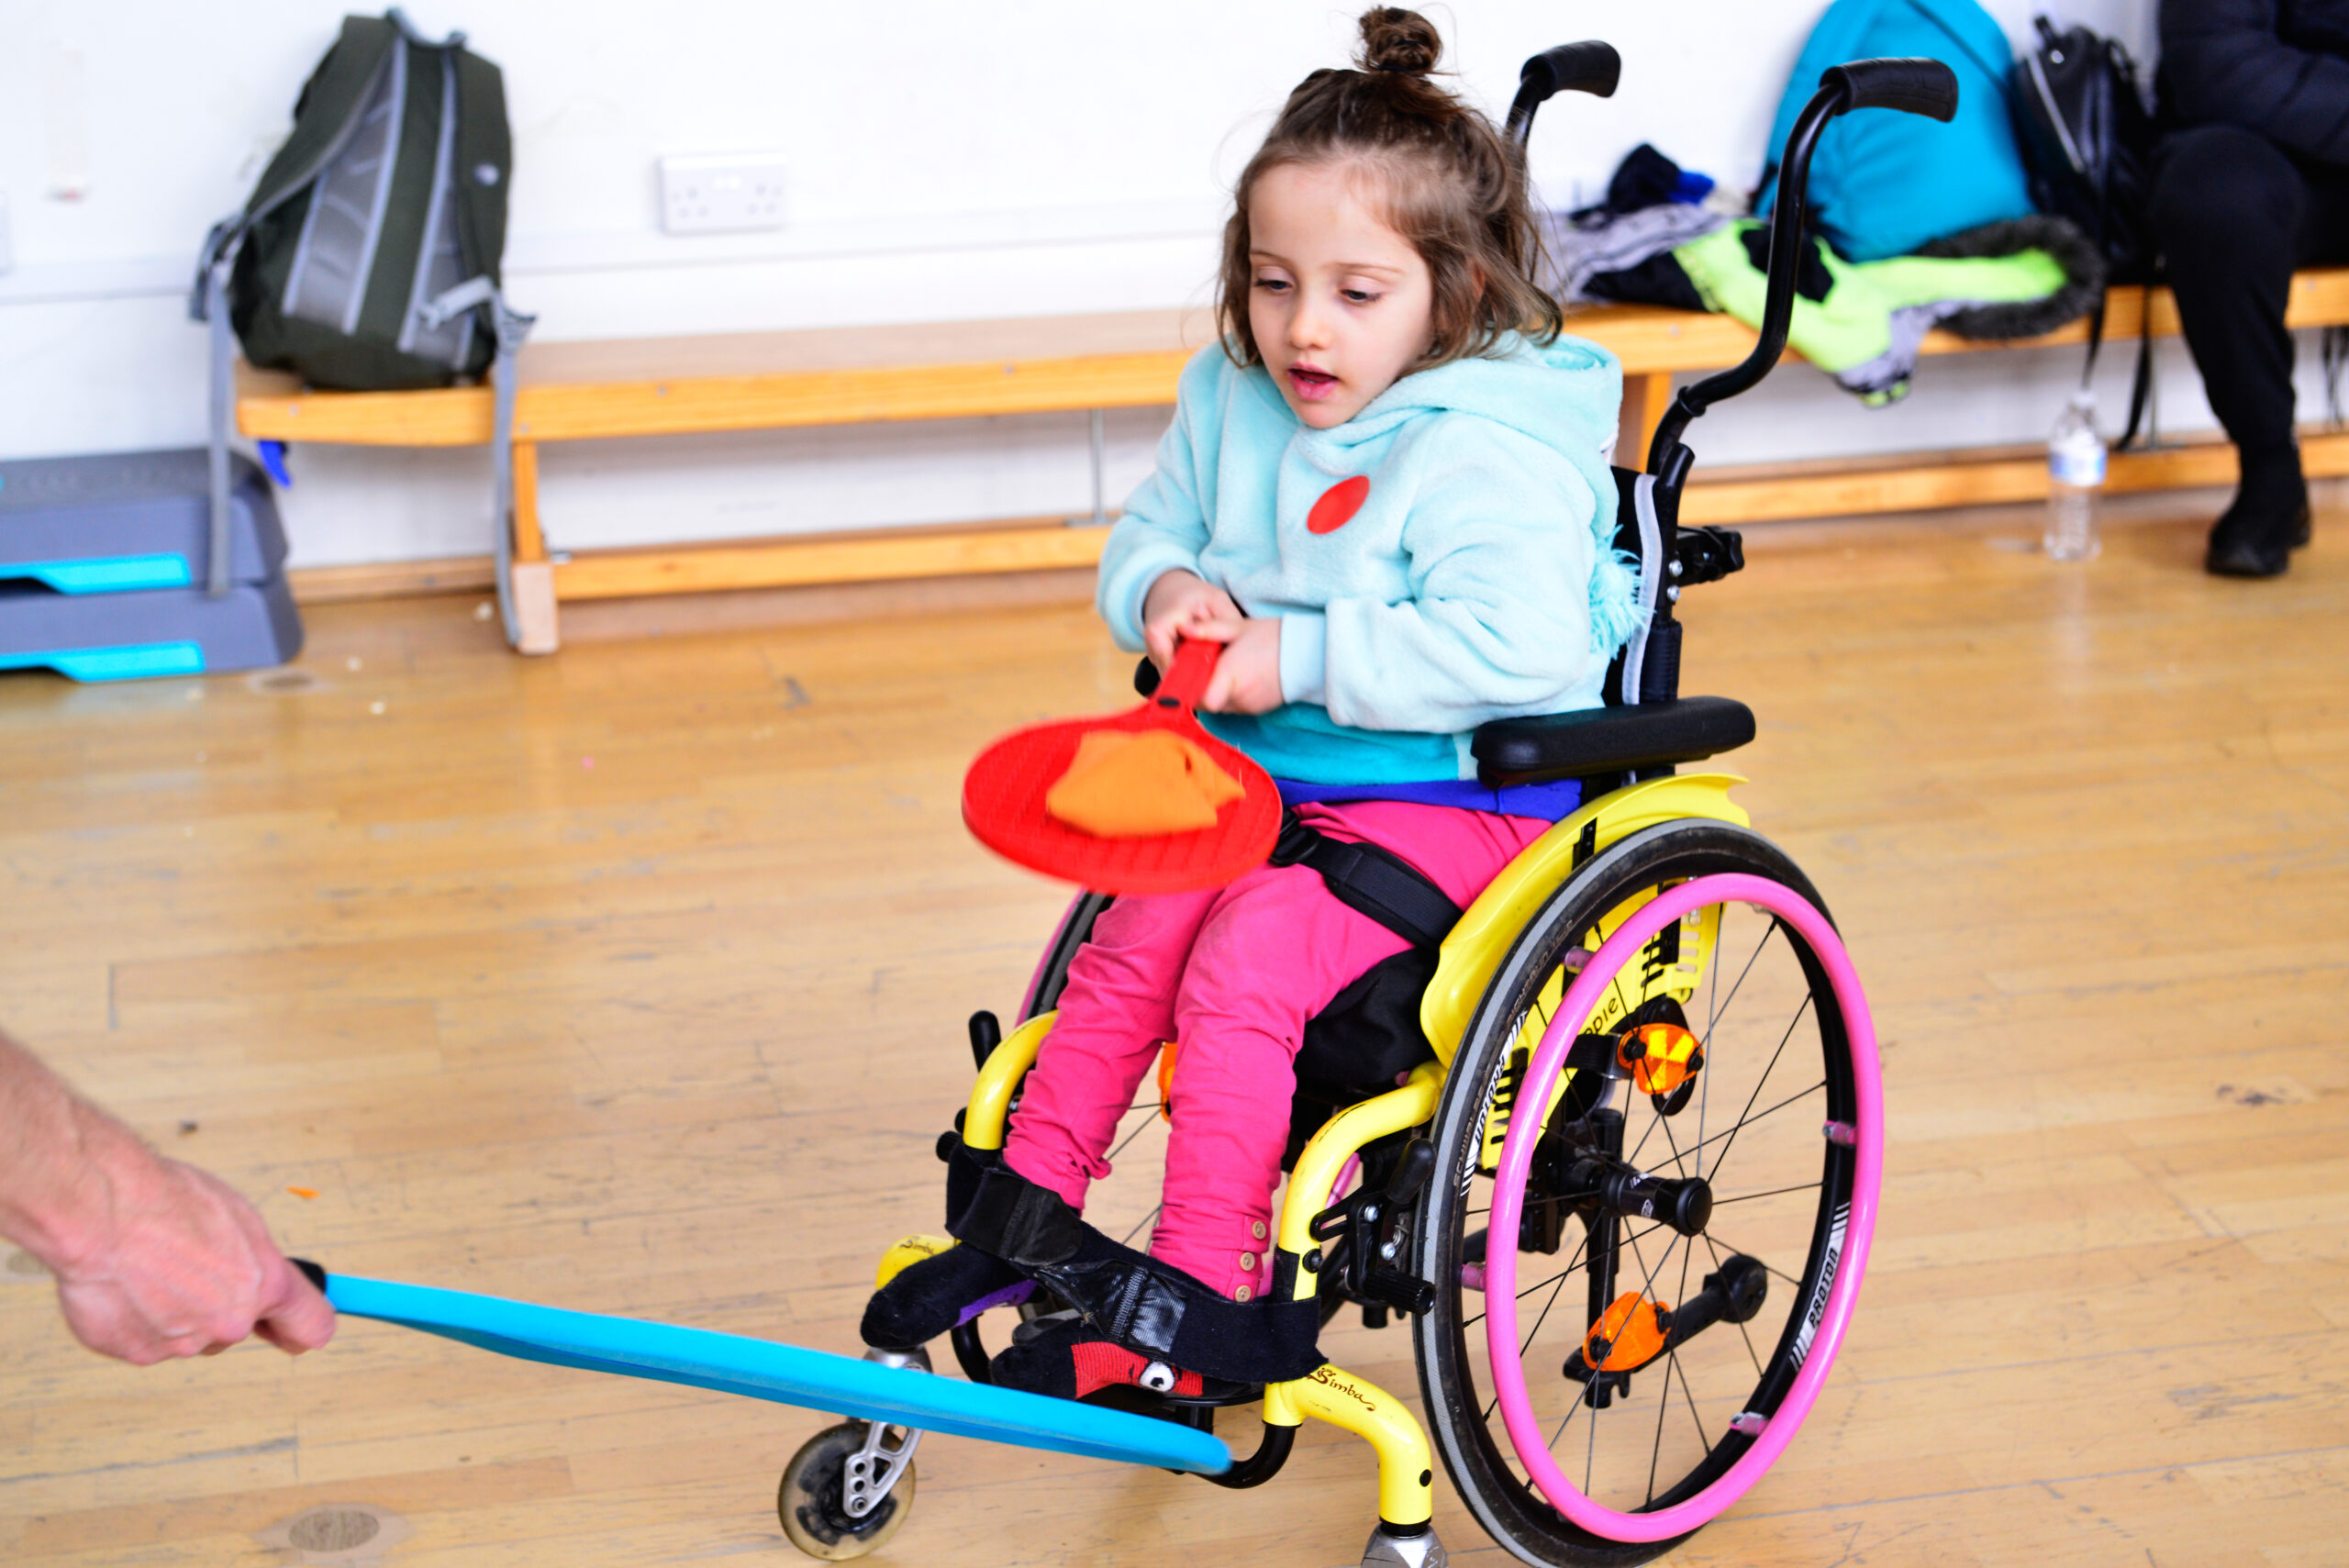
593,391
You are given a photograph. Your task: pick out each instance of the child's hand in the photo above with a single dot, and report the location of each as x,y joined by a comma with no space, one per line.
1247,678
1177,606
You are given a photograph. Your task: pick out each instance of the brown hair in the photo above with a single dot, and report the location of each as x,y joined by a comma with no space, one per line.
1452,185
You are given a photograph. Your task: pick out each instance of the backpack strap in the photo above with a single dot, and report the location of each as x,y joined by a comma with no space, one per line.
1370,881
2141,390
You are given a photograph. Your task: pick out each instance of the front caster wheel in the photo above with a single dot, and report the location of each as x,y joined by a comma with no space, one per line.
812,1502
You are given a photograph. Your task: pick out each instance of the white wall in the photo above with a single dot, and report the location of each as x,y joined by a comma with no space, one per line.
946,161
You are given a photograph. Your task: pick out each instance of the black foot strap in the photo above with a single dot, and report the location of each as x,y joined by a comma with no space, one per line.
1137,1301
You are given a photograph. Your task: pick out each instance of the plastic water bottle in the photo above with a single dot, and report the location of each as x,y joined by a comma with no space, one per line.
2074,481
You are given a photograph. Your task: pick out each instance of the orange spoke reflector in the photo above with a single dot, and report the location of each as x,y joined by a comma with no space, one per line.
1167,1078
1627,1335
1660,1057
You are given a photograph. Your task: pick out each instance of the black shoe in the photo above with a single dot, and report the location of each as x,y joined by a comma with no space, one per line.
1157,1311
2268,519
938,1294
2240,548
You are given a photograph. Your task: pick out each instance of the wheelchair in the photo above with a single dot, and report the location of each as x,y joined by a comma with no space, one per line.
1584,1239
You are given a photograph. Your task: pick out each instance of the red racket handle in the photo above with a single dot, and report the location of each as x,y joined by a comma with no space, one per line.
1187,678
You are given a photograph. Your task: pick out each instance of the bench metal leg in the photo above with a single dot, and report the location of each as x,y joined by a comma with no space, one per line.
1100,443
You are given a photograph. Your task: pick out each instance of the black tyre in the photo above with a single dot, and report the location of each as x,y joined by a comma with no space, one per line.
1774,1072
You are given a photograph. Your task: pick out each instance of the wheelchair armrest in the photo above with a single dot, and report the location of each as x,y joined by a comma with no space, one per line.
1608,740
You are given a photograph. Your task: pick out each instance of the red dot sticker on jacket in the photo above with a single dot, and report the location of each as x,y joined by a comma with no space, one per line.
1338,505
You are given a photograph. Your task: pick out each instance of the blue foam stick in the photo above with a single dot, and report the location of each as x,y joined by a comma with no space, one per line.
787,1375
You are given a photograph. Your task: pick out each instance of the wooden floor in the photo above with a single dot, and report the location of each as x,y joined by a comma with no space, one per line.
633,981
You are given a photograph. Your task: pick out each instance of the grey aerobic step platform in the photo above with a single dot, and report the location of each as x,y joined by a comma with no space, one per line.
103,561
119,521
161,631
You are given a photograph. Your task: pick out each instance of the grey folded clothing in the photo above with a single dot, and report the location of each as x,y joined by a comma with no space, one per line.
1580,246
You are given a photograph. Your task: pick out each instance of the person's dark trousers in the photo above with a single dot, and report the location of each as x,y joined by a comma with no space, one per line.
2235,215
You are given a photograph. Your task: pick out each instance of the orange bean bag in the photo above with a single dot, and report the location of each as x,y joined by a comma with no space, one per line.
1136,785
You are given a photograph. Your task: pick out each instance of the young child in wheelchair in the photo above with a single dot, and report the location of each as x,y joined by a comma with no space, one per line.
1385,492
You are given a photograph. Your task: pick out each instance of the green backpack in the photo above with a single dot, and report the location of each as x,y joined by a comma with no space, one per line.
366,259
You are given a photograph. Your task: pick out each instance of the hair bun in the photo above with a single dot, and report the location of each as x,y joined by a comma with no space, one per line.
1398,40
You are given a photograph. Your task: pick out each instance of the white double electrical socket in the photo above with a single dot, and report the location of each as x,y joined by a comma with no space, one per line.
721,193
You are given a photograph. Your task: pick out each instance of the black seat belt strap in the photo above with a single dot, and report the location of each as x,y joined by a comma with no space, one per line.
1370,881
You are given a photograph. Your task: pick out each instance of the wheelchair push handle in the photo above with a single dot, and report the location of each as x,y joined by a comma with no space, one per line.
1912,86
1916,86
1588,67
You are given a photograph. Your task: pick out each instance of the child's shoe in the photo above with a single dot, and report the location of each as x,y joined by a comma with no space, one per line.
941,1292
1156,1311
1070,1358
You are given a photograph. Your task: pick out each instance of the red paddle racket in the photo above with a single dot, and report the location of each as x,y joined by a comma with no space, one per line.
1003,799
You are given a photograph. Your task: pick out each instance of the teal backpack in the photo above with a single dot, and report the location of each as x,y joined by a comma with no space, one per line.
1883,184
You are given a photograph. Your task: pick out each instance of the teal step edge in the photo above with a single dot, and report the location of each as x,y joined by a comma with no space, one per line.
105,574
134,661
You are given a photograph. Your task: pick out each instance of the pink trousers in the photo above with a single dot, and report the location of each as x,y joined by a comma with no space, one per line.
1232,974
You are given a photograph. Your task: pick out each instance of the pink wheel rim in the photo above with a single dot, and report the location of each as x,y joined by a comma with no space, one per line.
1517,1155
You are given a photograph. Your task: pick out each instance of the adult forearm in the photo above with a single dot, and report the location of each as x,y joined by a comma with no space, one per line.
61,1163
152,1258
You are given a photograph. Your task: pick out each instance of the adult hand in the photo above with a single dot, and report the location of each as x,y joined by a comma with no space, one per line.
185,1267
1247,677
1177,604
153,1259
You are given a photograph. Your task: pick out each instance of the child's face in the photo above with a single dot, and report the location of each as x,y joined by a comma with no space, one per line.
1340,305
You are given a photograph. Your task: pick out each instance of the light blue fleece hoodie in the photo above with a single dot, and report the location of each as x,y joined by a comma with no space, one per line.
1477,580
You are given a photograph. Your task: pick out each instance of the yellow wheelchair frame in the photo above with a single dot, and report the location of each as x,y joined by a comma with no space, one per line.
1471,955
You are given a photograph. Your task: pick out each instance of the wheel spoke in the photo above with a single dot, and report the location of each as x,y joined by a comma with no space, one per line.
1773,1192
1128,1239
1688,1393
1679,1161
1758,1257
1792,1024
1538,1322
1730,1133
1125,1142
1712,1025
1589,1452
1714,1020
1573,1408
1491,1404
1647,1279
1741,1330
1641,1147
1557,1283
1662,1404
